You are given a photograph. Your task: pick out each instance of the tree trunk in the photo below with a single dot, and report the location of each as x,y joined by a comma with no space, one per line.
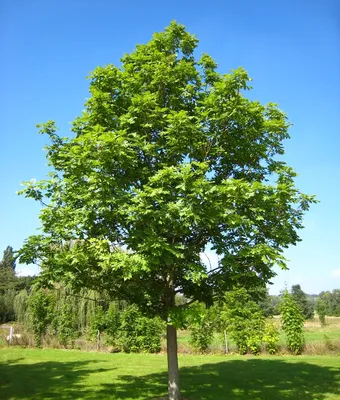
173,375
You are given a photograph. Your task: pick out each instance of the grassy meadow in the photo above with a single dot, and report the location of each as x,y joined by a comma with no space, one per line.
43,374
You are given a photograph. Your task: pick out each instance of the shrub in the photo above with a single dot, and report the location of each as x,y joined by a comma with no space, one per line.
321,310
20,306
112,321
292,323
244,321
41,305
201,336
138,333
271,337
67,324
201,326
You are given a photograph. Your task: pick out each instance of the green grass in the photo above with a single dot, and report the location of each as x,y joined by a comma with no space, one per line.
57,374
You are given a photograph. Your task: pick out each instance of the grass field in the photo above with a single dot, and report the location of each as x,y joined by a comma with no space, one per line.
59,374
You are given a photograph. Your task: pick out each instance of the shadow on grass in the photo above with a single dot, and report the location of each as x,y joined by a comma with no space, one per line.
47,380
235,379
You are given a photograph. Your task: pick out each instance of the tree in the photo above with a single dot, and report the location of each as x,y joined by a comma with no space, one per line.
332,302
7,270
41,308
301,300
271,336
168,158
292,322
7,285
266,301
321,310
8,259
244,320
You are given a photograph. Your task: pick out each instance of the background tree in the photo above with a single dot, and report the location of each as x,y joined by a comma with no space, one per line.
10,285
168,158
8,281
302,301
321,310
8,259
332,302
7,270
268,303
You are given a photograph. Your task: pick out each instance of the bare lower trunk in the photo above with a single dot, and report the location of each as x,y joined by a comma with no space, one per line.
173,375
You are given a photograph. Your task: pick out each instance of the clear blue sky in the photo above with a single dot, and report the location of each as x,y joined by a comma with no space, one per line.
290,48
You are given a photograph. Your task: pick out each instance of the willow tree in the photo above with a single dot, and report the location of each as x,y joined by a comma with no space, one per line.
168,158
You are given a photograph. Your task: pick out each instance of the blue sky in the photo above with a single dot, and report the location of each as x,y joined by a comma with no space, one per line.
290,48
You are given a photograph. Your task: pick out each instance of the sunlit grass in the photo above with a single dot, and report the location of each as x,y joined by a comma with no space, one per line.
28,374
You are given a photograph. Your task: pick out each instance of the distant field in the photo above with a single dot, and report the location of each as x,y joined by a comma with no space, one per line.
33,374
314,332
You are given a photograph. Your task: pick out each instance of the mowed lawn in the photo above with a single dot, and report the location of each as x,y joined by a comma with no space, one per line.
70,374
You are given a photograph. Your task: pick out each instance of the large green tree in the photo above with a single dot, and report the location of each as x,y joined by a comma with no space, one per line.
168,157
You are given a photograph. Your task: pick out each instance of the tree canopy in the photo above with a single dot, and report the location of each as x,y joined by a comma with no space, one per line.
169,157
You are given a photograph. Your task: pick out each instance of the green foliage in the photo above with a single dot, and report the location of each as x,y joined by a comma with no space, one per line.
269,304
332,302
8,260
59,313
67,324
99,321
6,305
201,327
201,336
271,337
138,333
20,306
113,321
292,323
168,157
244,321
41,306
302,301
7,284
23,283
321,310
10,285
